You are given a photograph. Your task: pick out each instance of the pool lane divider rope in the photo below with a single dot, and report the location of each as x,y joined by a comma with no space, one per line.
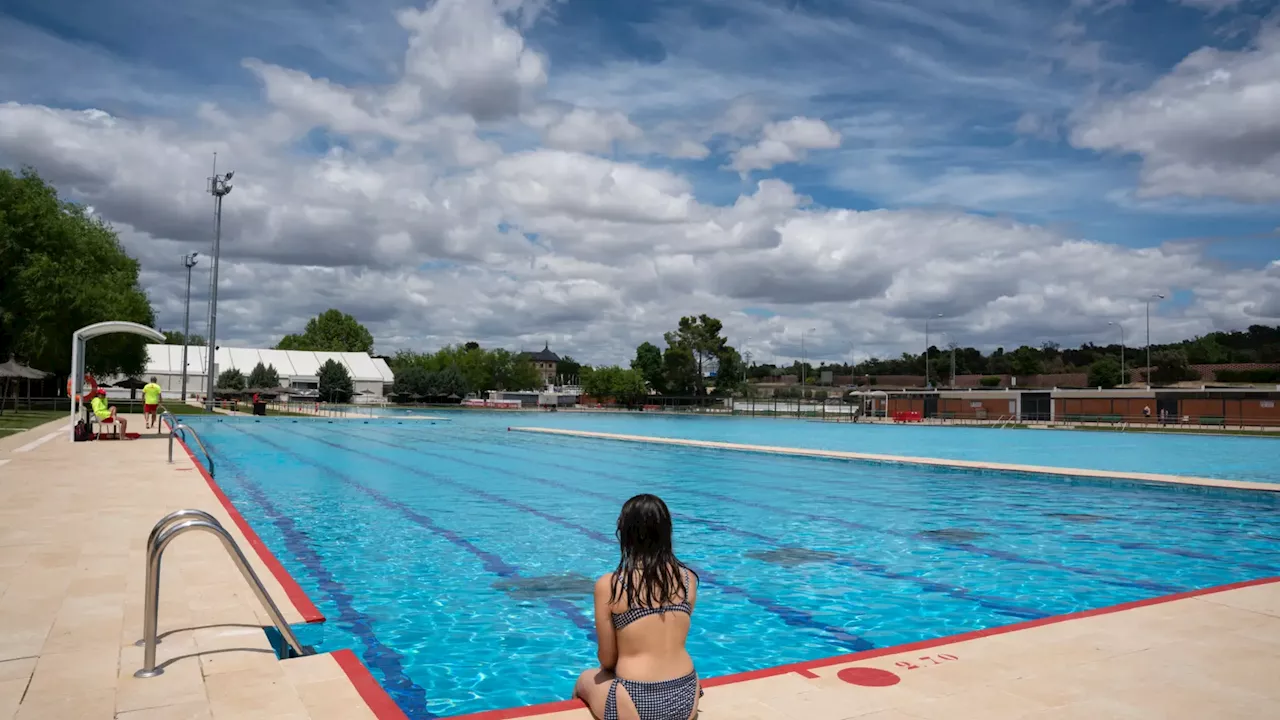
903,459
790,616
865,566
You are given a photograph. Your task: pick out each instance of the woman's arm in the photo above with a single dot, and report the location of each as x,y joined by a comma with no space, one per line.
606,636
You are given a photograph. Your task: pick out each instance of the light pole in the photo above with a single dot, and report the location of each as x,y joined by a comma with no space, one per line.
189,261
219,188
953,364
746,354
1124,378
928,382
804,359
1157,296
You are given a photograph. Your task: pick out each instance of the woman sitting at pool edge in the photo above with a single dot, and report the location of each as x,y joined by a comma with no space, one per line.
643,612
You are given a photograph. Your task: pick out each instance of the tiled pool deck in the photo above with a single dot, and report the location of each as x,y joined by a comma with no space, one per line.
73,526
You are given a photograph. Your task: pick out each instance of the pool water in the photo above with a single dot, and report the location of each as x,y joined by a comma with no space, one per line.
1255,459
456,559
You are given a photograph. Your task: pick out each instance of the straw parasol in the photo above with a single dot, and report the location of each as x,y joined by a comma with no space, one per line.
14,370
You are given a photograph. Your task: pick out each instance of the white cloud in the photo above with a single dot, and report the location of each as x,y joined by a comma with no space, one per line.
1211,6
464,53
437,217
1211,127
586,130
785,142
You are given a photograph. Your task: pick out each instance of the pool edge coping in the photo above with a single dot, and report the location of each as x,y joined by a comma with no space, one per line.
805,668
904,459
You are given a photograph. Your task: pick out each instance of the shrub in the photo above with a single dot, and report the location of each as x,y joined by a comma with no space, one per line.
990,381
1262,375
1104,373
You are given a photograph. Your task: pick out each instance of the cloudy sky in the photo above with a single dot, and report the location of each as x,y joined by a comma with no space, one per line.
584,172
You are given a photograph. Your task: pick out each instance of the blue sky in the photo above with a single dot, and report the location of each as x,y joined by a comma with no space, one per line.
999,110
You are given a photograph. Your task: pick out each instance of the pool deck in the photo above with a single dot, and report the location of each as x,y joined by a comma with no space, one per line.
73,526
74,520
905,459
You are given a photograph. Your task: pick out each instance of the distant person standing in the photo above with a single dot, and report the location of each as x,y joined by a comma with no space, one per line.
1146,413
150,402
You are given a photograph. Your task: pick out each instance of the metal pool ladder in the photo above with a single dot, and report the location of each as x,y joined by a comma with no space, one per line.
164,532
184,428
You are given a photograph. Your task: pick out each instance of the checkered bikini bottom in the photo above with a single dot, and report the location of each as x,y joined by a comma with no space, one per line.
665,700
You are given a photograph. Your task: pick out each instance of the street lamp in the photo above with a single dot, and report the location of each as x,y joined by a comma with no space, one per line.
1124,378
804,360
1157,296
928,382
189,261
219,188
746,354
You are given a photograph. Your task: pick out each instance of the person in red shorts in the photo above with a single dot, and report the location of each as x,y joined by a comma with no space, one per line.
150,402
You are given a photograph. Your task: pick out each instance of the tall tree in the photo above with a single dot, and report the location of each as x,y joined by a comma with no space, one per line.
679,371
568,368
62,269
230,379
263,376
175,337
648,362
335,382
330,331
700,335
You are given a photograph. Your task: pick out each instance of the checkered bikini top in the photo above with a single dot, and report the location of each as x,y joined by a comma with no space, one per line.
623,619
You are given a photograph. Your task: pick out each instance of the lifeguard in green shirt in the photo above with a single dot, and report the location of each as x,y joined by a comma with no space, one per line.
107,414
150,402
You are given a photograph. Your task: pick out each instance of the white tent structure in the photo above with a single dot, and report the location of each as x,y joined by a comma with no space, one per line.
299,370
78,340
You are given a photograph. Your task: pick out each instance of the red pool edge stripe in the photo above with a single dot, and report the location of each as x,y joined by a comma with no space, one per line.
806,667
292,590
371,691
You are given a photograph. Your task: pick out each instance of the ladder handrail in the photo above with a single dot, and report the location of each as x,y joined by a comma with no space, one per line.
161,411
184,428
174,517
155,551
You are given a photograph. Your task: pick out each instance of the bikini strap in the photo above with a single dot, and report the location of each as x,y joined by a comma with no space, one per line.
611,701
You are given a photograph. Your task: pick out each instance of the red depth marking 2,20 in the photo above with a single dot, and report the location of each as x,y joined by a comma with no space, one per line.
868,677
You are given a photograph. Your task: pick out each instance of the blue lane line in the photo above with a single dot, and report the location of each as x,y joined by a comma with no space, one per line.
791,616
864,566
408,695
1109,578
491,562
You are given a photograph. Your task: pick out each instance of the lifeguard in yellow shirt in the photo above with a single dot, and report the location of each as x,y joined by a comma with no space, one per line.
150,402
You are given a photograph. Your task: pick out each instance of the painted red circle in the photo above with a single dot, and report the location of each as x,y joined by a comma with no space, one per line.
869,677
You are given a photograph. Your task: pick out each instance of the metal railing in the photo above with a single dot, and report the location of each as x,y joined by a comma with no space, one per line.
161,411
183,428
164,532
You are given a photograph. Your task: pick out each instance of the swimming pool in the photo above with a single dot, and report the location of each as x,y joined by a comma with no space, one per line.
456,559
1254,459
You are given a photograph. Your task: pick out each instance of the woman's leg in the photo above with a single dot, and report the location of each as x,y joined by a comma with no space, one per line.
593,689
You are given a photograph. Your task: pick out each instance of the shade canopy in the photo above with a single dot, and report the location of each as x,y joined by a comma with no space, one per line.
15,369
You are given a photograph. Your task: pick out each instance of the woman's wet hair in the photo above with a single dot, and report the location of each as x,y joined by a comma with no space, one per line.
648,574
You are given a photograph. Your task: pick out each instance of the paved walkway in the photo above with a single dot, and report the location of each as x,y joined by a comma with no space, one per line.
1210,656
74,520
